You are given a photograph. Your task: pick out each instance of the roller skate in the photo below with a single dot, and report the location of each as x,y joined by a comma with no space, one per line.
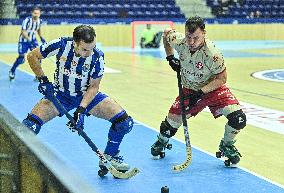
229,151
158,148
116,161
11,75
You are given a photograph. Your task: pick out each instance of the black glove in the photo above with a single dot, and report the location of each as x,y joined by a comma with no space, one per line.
45,87
193,98
173,62
78,117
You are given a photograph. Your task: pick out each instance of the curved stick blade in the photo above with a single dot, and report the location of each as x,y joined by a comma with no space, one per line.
184,165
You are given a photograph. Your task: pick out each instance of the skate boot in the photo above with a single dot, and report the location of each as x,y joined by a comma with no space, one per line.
229,151
116,161
11,75
158,148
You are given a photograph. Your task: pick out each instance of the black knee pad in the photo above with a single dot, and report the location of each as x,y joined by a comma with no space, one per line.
166,129
237,119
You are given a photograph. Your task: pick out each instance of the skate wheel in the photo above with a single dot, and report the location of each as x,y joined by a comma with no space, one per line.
227,163
218,154
162,154
235,160
102,173
169,146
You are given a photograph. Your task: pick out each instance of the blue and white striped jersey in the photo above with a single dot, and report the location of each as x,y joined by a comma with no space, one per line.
31,27
72,75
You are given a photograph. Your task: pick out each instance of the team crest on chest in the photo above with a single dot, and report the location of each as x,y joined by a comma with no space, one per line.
62,58
199,65
86,67
74,63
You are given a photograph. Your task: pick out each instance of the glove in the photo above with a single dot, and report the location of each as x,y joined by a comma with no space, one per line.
78,117
42,40
194,97
45,87
173,62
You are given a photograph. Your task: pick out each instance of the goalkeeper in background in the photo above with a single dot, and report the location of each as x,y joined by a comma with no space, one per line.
27,39
150,38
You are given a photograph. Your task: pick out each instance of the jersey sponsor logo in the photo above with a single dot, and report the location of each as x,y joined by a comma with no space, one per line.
199,65
73,74
195,74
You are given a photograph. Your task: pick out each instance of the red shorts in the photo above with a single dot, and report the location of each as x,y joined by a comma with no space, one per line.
215,100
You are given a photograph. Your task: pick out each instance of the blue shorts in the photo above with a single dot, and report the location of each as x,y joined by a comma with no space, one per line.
24,47
71,102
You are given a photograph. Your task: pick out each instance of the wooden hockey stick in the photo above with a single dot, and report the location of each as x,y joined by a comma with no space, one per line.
186,163
101,156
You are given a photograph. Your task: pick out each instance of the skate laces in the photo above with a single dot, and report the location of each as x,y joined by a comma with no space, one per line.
118,158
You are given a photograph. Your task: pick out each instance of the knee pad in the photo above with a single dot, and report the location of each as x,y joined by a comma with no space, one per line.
167,130
33,122
120,126
237,119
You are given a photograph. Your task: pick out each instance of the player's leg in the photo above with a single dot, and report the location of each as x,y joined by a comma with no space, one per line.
223,102
42,112
22,50
168,129
236,122
172,122
122,124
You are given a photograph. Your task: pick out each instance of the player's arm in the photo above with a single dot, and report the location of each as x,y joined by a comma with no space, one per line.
218,69
34,57
219,80
44,51
91,92
25,34
168,48
169,39
39,34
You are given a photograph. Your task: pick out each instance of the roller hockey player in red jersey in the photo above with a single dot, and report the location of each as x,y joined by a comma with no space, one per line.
204,76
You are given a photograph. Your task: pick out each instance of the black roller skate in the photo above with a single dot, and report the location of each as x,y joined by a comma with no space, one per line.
158,148
116,161
229,151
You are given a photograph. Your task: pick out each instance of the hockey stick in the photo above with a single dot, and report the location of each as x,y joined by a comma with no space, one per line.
101,156
186,163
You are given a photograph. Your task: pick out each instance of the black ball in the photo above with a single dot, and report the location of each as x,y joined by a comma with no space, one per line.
165,189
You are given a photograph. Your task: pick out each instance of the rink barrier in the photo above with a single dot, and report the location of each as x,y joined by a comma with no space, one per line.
28,166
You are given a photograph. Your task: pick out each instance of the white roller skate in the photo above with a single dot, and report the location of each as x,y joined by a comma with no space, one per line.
116,161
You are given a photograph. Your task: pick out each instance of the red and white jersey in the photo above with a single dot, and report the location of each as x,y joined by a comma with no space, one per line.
199,68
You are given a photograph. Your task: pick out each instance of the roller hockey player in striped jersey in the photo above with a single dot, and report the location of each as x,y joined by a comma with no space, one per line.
79,70
27,39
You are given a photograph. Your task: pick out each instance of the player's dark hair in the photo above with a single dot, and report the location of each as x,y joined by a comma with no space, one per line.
84,33
36,8
193,23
